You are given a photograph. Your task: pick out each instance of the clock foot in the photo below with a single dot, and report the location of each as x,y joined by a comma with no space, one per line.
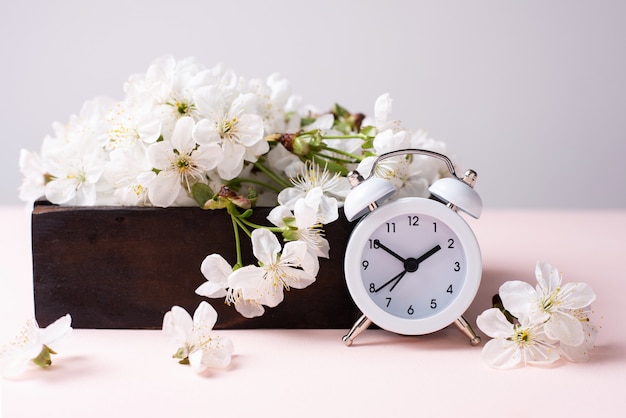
464,326
359,326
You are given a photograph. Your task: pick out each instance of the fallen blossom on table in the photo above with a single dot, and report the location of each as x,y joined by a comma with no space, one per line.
33,345
535,325
194,340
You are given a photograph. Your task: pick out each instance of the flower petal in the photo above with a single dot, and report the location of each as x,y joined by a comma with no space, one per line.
541,353
159,154
265,246
211,290
246,278
208,156
493,323
57,330
580,352
249,308
565,328
195,361
215,268
182,139
578,295
278,214
204,317
548,277
164,189
232,163
500,353
218,353
518,297
177,325
206,133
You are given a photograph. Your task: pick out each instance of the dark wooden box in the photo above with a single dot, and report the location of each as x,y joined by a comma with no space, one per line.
124,267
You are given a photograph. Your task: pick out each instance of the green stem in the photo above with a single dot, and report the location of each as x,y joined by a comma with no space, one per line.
275,177
257,226
356,158
352,136
260,183
244,222
243,226
237,240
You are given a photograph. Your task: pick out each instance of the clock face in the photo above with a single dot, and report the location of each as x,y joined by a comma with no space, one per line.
413,266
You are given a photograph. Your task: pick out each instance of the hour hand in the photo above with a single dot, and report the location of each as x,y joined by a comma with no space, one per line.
428,253
378,244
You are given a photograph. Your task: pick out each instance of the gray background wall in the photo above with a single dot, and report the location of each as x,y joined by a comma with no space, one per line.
531,94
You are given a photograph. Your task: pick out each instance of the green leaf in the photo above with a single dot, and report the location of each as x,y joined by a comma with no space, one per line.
342,126
340,111
330,165
369,131
202,193
305,121
368,144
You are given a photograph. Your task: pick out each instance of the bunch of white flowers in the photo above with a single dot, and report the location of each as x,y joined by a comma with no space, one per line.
188,135
537,325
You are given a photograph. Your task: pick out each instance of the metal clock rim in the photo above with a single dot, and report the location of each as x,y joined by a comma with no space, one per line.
354,249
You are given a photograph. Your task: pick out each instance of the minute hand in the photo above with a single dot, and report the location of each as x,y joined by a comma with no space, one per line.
396,279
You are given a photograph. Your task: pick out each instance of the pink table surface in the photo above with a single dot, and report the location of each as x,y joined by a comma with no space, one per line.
287,373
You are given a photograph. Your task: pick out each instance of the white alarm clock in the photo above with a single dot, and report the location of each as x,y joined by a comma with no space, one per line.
412,265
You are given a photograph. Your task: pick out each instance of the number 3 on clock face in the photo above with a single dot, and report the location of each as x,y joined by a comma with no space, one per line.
413,266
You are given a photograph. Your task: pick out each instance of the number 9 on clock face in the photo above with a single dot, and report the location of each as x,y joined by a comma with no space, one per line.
413,266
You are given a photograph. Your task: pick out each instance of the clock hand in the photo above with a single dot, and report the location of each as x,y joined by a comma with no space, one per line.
378,244
410,265
396,278
428,254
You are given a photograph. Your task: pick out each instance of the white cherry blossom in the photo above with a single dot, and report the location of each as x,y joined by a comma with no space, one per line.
180,163
128,174
235,127
130,125
514,345
320,188
546,321
168,87
273,98
33,345
302,224
194,340
279,269
550,301
217,271
73,172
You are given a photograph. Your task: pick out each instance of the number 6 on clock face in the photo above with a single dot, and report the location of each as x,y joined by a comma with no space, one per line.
413,267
